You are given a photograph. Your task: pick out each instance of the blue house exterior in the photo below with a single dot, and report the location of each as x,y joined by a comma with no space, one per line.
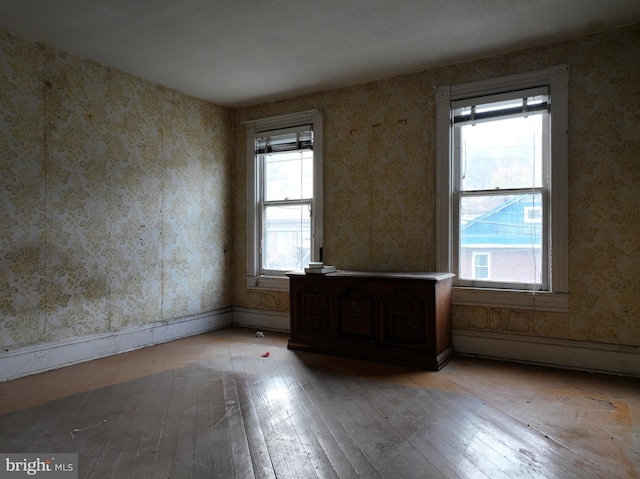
505,243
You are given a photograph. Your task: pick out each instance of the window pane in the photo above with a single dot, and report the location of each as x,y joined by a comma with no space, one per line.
288,175
501,154
286,237
481,265
498,229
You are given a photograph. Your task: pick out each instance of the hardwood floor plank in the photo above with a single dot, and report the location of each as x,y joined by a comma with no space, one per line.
566,408
467,411
124,443
118,426
345,441
304,433
231,451
154,408
519,439
256,441
386,449
417,468
16,424
425,434
435,457
219,427
92,425
301,388
460,432
286,455
239,447
541,449
49,428
211,406
184,457
168,440
205,411
453,439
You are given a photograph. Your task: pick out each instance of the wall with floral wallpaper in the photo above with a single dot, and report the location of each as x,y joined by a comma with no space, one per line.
379,190
122,202
115,199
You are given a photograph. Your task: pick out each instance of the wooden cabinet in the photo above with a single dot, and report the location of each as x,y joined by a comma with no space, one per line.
399,318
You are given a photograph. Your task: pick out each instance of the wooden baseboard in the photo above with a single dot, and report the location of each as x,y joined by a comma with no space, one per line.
579,355
261,319
43,357
562,353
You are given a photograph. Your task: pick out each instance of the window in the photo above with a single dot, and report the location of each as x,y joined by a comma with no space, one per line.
532,214
500,160
502,189
481,265
284,197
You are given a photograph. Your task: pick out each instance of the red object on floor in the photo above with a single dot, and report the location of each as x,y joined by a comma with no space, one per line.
266,355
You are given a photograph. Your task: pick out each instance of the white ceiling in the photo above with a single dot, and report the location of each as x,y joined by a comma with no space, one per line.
242,52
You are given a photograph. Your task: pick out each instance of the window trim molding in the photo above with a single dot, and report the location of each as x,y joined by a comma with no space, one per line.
314,117
557,78
269,283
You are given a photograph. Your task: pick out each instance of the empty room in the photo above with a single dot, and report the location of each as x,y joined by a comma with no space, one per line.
320,239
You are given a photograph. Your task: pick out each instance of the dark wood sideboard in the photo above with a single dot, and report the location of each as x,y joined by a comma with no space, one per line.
398,318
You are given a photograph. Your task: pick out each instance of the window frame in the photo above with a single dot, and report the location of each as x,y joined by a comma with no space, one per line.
275,280
540,189
555,297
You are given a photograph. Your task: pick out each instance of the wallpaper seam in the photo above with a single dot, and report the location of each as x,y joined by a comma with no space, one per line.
45,159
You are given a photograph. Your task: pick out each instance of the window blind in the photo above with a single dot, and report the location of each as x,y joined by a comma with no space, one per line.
505,105
291,139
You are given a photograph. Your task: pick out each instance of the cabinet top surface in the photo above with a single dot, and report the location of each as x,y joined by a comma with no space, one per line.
341,273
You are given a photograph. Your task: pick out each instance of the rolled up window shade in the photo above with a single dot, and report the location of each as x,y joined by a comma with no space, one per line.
300,138
520,103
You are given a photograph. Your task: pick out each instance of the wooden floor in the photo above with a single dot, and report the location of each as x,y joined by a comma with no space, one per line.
213,406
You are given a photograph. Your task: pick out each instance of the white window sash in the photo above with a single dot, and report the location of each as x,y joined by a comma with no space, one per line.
556,299
255,128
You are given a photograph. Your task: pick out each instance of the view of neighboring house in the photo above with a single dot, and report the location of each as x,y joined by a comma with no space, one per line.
504,243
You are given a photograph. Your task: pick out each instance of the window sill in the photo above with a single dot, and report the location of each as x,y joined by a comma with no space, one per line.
511,299
271,283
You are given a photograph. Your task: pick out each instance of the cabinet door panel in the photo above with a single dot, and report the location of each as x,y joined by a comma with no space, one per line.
404,319
313,311
356,315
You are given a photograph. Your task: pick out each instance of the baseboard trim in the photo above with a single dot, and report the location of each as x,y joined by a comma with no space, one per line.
43,357
261,319
562,353
568,354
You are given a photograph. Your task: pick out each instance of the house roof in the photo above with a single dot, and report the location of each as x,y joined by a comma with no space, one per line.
503,226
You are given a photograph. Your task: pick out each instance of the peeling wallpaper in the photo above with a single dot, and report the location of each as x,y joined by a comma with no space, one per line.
379,190
114,199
